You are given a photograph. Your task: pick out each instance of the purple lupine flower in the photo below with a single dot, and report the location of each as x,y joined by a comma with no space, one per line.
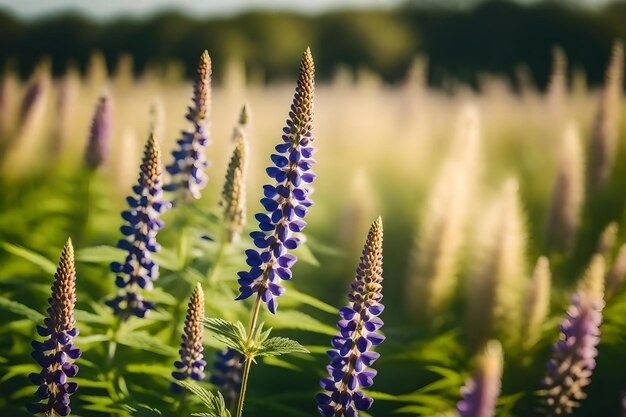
187,171
286,201
359,326
227,375
143,222
34,92
574,355
481,392
97,151
57,353
192,363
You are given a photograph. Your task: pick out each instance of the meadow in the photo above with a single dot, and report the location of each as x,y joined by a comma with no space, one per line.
503,209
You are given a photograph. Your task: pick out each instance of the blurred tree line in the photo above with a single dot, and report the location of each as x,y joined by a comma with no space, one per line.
493,37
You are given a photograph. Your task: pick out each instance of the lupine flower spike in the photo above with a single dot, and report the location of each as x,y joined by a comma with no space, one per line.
605,130
286,200
242,124
481,392
536,303
574,355
234,191
187,171
143,222
227,375
97,150
351,355
192,363
57,353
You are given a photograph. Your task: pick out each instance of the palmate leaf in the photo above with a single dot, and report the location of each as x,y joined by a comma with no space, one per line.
277,346
213,402
232,335
20,309
33,257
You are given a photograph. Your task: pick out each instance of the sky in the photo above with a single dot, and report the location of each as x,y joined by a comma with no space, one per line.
108,9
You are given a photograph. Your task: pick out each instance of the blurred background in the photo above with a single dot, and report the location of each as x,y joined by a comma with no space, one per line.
497,37
488,134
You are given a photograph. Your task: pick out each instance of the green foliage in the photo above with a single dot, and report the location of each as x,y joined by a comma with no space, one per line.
143,411
20,309
214,403
41,261
277,346
232,335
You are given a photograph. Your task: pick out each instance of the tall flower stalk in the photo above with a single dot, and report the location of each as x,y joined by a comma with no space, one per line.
234,192
435,257
568,193
359,327
98,143
139,270
495,287
187,170
604,133
481,392
233,200
574,355
192,363
56,355
286,202
536,303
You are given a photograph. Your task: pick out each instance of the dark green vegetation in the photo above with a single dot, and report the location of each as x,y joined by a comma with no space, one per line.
494,37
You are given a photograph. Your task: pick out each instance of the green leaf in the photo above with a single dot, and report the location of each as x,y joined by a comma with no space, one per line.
142,411
94,338
33,257
213,402
274,361
296,320
149,369
231,334
304,254
100,254
15,370
144,341
20,309
87,317
310,301
168,259
277,346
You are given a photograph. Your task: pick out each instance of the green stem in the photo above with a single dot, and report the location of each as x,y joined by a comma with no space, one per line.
85,208
248,363
112,348
182,404
183,255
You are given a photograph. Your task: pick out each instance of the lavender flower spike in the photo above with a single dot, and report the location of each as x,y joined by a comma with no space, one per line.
574,355
187,169
192,363
227,375
143,222
358,332
57,354
97,151
481,392
286,201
